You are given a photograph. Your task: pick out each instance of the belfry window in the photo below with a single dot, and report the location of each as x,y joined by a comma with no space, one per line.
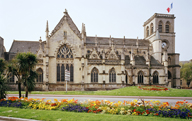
155,78
140,78
151,28
65,56
160,26
112,75
40,75
167,27
147,31
94,75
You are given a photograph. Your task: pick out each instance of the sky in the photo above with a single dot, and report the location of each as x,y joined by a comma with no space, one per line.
26,19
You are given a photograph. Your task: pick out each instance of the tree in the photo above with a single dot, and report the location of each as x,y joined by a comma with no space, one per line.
22,67
3,79
186,72
30,75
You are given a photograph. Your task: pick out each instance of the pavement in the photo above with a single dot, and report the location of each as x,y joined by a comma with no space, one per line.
3,118
103,96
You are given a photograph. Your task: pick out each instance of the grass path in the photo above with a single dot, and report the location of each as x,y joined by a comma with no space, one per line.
57,115
127,91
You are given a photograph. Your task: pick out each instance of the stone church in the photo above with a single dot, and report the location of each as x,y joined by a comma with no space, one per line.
103,63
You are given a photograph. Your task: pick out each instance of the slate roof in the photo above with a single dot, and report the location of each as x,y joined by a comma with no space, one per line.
25,46
155,62
140,60
104,41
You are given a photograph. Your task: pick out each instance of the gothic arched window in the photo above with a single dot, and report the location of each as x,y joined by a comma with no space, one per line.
112,75
151,28
94,75
64,52
160,26
167,27
40,75
140,77
65,61
155,78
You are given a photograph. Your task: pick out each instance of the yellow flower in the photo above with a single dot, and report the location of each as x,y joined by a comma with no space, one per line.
55,100
135,100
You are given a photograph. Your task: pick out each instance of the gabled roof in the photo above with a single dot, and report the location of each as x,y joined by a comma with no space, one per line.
25,46
71,25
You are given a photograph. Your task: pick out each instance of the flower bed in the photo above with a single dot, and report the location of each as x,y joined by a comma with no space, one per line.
153,88
182,109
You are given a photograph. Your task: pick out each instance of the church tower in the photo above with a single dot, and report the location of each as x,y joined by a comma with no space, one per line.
165,25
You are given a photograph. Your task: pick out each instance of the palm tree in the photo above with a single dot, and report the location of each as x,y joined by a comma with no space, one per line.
22,67
30,75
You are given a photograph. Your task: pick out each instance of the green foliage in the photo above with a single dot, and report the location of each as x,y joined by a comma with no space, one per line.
22,67
3,86
2,65
186,72
3,79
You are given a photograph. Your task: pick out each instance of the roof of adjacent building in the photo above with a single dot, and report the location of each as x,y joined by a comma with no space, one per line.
25,46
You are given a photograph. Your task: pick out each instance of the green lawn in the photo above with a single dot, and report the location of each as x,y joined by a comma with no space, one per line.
127,91
57,115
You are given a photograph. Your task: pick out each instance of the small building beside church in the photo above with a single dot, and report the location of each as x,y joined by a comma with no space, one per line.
103,63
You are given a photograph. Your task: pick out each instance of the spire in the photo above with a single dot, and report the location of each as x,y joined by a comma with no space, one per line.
110,41
112,44
40,41
83,31
47,30
95,40
137,43
124,41
157,36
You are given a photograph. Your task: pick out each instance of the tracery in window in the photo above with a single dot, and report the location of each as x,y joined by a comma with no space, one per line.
112,75
65,52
